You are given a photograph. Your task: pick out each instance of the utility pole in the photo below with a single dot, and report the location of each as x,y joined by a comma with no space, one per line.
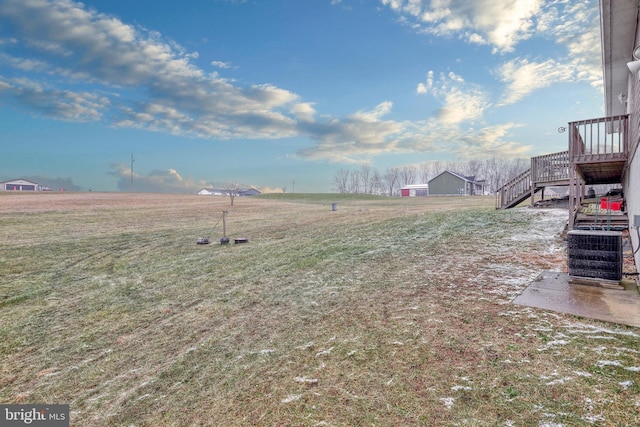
225,239
293,186
131,184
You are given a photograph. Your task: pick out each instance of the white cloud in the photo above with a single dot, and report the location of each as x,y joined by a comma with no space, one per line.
304,111
100,68
578,30
359,136
64,105
85,47
221,64
366,134
476,38
580,33
522,77
492,141
155,181
462,102
501,23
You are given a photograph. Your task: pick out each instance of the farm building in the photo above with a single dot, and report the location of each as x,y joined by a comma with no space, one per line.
20,185
449,183
415,190
225,192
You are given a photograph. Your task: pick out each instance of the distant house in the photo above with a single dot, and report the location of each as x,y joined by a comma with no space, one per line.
224,192
212,192
414,190
556,192
450,183
20,185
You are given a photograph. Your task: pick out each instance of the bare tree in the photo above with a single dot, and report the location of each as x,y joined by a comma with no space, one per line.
425,172
491,172
408,175
471,168
354,182
391,179
366,178
377,183
233,189
516,167
494,171
340,180
498,170
437,168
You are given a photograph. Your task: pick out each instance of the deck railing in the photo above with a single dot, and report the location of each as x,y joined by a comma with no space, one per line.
597,140
550,168
594,144
546,170
513,190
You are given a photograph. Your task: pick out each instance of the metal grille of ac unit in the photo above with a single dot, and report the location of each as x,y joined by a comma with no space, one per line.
595,254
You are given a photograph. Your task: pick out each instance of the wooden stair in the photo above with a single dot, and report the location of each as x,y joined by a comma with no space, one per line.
589,216
546,171
514,191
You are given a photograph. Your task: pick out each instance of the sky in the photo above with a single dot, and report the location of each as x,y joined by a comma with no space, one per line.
282,94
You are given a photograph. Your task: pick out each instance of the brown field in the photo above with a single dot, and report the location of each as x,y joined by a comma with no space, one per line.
386,312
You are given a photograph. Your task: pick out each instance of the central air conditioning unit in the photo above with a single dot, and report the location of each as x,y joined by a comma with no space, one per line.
595,254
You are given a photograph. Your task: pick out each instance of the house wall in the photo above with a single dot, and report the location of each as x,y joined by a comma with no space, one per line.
446,184
632,198
632,176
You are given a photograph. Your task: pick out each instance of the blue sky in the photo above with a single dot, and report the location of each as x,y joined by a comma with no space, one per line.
283,94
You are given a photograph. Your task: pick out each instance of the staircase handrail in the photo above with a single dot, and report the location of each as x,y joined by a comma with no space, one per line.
505,195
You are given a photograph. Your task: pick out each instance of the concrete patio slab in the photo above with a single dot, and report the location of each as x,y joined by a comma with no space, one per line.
553,291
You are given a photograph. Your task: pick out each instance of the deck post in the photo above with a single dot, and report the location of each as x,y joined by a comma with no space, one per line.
533,180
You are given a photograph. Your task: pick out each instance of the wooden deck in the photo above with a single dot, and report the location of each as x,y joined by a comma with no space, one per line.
548,170
598,152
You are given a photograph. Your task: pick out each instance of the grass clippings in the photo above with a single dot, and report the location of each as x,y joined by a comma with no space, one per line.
387,311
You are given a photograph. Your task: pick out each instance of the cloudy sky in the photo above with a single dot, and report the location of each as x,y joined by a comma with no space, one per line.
284,93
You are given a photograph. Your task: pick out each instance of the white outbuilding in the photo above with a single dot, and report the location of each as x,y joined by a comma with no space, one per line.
20,185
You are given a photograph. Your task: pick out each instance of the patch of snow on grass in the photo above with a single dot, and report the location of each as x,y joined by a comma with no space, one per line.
580,328
560,381
603,363
305,346
324,352
291,398
626,384
552,344
448,402
594,418
305,380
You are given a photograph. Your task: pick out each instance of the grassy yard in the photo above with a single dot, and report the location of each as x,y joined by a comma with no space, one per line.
385,312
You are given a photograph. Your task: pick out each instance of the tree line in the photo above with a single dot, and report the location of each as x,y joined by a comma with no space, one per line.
368,180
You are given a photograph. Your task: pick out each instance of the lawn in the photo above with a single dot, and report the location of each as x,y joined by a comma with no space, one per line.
386,311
